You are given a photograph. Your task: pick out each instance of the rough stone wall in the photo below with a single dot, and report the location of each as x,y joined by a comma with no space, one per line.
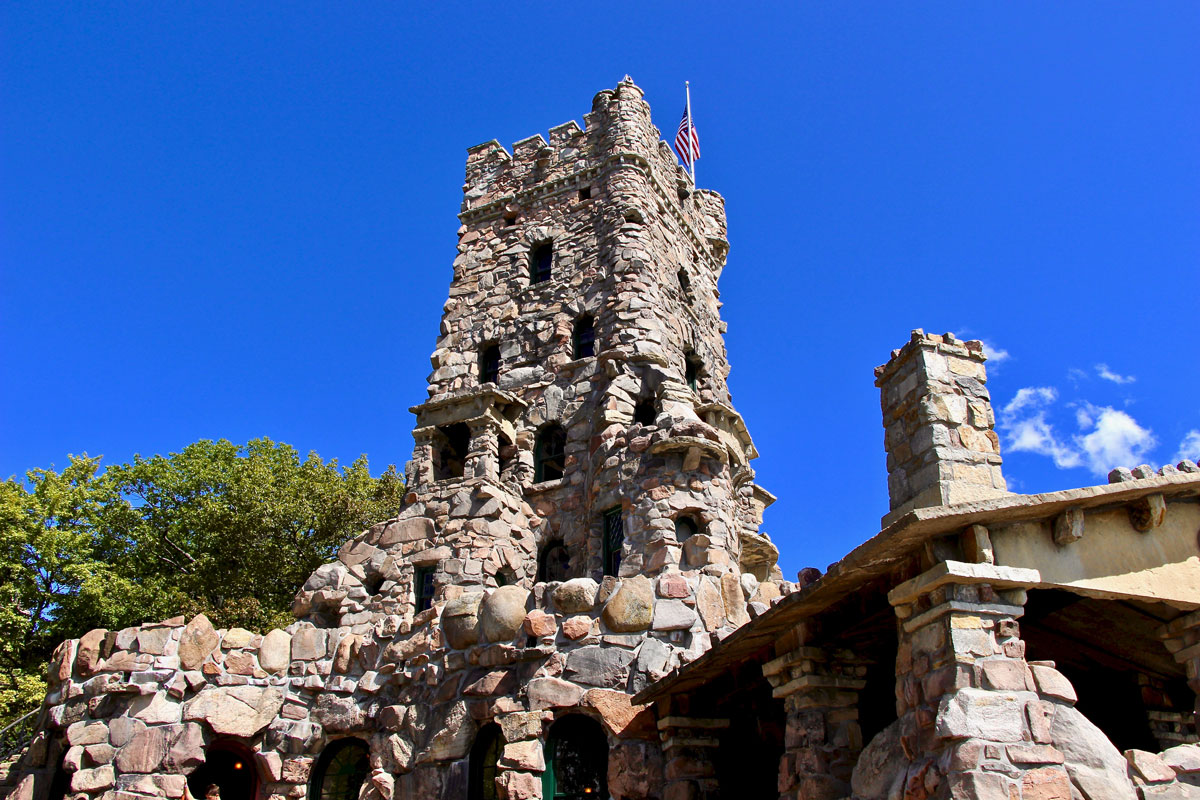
134,710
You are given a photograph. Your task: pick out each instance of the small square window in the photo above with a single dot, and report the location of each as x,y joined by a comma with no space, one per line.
585,193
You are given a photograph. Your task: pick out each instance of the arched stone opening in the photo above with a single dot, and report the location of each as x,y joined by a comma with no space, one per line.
576,754
229,766
481,764
1127,683
340,771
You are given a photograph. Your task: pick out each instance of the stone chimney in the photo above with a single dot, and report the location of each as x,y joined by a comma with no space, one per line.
938,422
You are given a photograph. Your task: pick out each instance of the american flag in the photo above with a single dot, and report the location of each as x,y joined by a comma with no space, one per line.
688,151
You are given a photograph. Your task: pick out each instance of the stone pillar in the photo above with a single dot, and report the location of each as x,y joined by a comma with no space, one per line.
820,689
483,459
422,461
519,770
938,419
690,751
975,717
1182,638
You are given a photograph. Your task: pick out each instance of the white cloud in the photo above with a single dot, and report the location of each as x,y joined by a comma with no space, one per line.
995,355
1116,441
1107,437
1107,374
1024,423
1189,448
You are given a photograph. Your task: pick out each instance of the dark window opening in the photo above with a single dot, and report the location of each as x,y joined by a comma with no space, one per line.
451,445
691,372
505,577
481,764
614,541
576,760
423,588
685,528
685,284
585,193
373,584
507,452
633,216
230,768
510,220
340,771
540,262
645,412
584,337
554,563
550,453
489,364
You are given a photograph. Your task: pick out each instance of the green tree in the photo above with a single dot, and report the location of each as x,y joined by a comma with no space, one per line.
228,530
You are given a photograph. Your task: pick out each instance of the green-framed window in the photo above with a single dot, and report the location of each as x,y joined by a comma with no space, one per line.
576,760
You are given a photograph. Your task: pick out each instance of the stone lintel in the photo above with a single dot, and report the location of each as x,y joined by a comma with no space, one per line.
959,572
829,686
961,607
695,723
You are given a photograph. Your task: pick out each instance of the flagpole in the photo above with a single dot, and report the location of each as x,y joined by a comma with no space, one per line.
687,88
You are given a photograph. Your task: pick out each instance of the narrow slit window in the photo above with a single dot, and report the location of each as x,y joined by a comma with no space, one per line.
423,587
585,337
489,364
685,284
541,261
692,371
614,541
550,453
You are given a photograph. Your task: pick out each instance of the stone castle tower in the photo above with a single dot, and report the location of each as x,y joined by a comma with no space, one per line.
581,519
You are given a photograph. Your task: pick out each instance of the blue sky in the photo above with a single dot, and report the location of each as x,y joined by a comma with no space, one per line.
237,220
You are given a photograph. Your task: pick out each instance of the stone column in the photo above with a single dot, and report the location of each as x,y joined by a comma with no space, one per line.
820,688
975,717
1182,638
690,751
483,452
519,770
422,463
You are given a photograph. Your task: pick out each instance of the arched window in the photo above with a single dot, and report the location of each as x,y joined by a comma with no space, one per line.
228,766
481,766
340,771
685,527
584,338
549,453
576,760
554,562
541,261
489,363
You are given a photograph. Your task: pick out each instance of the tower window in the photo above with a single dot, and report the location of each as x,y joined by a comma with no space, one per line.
685,284
423,587
451,444
692,369
541,259
549,453
554,562
481,766
489,364
614,541
585,193
685,528
340,771
585,337
645,412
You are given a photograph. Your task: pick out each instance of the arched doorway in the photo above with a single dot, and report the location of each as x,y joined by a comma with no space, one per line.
576,760
482,763
229,766
340,771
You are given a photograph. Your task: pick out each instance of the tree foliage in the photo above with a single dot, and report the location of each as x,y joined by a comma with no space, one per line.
228,530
